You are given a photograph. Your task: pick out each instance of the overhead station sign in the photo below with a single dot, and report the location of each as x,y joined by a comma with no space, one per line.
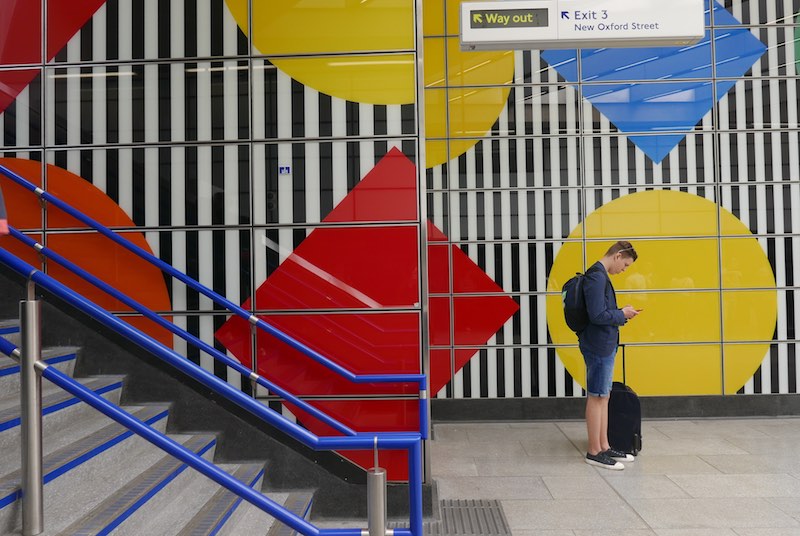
543,24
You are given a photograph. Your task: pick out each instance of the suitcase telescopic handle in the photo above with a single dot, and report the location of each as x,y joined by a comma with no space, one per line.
624,379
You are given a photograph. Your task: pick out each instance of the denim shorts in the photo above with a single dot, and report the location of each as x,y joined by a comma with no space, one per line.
599,373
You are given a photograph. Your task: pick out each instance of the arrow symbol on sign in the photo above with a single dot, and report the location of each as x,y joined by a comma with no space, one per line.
477,17
565,15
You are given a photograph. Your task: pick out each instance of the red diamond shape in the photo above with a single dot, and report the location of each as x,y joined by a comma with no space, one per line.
21,41
362,267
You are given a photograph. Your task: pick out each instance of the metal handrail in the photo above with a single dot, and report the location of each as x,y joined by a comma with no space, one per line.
386,440
180,452
185,335
352,440
359,441
419,379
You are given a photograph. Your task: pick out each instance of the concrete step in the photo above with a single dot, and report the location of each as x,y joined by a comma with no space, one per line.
83,473
251,520
9,329
63,358
226,509
200,504
133,507
60,413
59,429
300,503
55,399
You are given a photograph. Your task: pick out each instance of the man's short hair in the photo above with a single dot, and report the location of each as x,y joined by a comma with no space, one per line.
624,247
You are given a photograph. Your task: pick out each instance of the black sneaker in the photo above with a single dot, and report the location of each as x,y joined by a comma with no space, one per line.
619,455
601,460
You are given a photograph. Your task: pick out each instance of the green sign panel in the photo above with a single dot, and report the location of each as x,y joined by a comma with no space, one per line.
509,18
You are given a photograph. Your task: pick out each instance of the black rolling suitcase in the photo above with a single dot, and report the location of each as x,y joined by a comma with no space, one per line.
624,416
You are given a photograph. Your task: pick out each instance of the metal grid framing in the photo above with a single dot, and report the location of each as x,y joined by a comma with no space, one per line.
200,111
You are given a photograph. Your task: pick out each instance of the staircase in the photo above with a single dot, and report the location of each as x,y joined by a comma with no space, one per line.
102,479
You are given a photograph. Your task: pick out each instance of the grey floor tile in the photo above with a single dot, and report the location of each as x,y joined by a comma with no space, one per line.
574,431
450,432
695,532
588,514
645,486
712,428
771,485
543,533
534,466
551,447
492,488
577,487
536,425
651,433
767,532
615,532
760,447
648,463
734,431
744,475
712,513
453,466
688,446
672,429
518,431
543,432
789,505
498,448
755,463
781,428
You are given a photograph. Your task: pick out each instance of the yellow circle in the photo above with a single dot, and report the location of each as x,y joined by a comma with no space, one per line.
453,78
709,304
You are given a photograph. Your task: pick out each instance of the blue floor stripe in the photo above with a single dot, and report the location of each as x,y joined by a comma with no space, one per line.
149,495
233,507
50,361
15,495
98,450
59,406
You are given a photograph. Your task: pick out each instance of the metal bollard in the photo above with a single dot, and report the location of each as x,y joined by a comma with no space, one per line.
31,417
376,501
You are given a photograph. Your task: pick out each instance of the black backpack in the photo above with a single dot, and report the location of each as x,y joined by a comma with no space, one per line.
574,301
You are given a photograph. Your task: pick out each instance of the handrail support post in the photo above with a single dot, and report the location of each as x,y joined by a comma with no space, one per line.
376,498
254,360
31,415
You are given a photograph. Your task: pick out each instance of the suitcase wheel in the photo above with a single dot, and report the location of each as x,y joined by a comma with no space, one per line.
637,444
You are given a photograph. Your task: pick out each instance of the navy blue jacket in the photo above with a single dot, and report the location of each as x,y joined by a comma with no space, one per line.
601,336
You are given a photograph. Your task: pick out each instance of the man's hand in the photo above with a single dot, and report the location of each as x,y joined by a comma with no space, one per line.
629,312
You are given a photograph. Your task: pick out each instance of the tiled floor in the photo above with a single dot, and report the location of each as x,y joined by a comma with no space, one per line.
693,478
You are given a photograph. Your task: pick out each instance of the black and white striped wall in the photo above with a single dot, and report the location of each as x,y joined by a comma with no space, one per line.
159,104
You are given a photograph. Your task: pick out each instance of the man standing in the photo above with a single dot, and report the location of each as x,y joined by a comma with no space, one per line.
598,343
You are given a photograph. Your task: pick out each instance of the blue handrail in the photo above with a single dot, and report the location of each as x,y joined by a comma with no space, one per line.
187,456
419,379
178,451
9,348
196,372
197,342
406,441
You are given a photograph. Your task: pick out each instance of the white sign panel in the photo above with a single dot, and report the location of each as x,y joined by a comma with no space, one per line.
541,24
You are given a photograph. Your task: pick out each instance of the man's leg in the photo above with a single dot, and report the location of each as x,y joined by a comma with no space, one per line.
598,381
596,428
604,446
597,423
